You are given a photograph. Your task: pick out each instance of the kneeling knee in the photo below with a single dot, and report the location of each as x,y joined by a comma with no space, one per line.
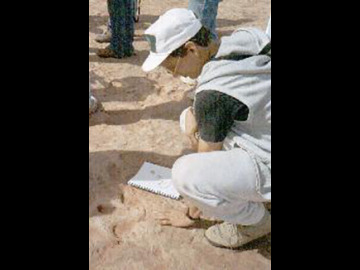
181,175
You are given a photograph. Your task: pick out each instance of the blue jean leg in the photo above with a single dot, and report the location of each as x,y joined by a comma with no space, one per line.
122,27
206,11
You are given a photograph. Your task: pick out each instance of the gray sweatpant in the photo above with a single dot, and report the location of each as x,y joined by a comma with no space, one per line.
226,185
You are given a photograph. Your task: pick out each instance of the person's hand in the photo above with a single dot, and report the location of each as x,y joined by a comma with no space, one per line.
194,212
194,140
179,218
190,128
175,218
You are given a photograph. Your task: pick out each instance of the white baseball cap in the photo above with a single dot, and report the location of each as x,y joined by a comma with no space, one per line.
169,33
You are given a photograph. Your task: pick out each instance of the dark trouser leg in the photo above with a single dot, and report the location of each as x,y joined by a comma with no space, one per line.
122,24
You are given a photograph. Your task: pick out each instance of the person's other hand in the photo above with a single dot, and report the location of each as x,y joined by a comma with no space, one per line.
191,126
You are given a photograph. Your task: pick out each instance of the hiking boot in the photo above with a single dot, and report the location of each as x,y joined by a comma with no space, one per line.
106,53
105,37
229,235
110,53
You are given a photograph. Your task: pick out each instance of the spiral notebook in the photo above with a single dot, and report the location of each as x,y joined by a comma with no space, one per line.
155,179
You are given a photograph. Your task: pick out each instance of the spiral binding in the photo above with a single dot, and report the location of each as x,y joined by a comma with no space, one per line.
154,191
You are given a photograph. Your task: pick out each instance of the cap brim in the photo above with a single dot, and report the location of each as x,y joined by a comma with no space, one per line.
154,60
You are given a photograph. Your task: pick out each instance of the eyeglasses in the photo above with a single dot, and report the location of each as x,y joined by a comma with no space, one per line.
169,68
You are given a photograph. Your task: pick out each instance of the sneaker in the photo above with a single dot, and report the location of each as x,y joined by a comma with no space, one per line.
229,235
105,37
94,106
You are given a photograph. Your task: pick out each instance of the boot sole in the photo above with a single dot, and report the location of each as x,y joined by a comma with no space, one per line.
235,247
102,41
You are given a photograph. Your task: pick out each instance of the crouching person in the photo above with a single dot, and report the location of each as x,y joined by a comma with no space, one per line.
229,178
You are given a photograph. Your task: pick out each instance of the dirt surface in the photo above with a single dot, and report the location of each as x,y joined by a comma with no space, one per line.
141,124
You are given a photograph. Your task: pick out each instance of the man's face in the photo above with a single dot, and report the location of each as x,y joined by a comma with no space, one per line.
189,65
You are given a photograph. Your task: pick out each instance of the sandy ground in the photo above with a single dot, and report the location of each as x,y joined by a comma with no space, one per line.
141,124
